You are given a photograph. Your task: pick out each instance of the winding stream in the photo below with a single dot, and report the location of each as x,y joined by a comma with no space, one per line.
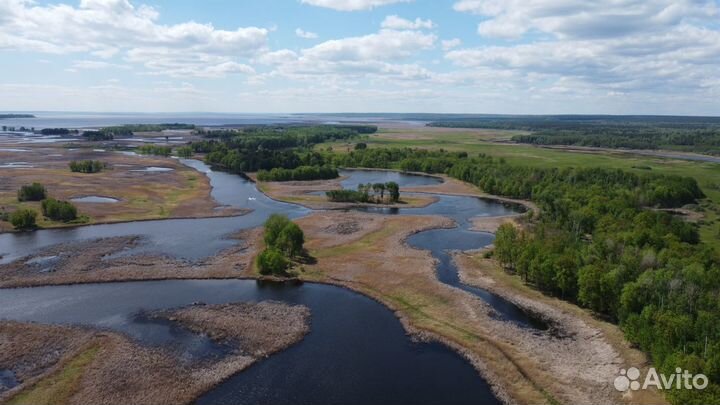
356,352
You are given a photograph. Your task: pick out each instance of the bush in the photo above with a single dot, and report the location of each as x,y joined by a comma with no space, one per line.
87,166
59,210
32,192
23,219
272,261
360,146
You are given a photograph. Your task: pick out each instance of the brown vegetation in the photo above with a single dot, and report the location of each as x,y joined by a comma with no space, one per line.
86,262
115,369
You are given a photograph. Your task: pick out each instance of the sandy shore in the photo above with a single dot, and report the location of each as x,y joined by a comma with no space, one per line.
93,367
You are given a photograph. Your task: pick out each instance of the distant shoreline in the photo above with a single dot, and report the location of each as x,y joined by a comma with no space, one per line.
8,116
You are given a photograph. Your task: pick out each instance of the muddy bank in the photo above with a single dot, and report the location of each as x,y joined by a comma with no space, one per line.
253,328
584,352
100,260
99,367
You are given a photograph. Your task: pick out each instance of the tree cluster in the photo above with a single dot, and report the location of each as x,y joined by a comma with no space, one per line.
377,193
32,192
59,210
23,219
284,241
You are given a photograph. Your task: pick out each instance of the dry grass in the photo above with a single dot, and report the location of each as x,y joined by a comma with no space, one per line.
182,192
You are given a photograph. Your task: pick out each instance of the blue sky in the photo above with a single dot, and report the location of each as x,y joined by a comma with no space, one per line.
471,56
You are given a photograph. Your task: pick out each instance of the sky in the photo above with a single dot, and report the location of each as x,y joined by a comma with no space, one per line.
286,56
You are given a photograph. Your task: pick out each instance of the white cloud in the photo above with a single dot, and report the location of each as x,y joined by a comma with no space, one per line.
106,28
305,34
396,23
384,45
450,43
352,5
584,19
96,64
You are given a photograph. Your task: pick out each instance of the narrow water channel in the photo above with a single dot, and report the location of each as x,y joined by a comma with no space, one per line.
357,351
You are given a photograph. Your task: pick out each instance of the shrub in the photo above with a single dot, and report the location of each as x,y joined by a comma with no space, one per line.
59,210
272,261
32,192
87,166
23,219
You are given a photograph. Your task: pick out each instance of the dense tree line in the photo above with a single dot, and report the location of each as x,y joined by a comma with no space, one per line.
268,147
87,166
283,242
368,193
696,134
55,131
59,210
130,129
156,150
98,136
301,173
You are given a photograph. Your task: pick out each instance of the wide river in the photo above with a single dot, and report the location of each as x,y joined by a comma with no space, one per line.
356,353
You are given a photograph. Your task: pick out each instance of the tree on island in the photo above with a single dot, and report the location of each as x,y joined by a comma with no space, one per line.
284,241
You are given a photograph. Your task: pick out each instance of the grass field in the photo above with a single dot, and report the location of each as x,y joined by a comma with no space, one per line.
486,141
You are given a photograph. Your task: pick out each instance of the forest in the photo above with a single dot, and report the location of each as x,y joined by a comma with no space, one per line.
690,134
599,243
268,147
